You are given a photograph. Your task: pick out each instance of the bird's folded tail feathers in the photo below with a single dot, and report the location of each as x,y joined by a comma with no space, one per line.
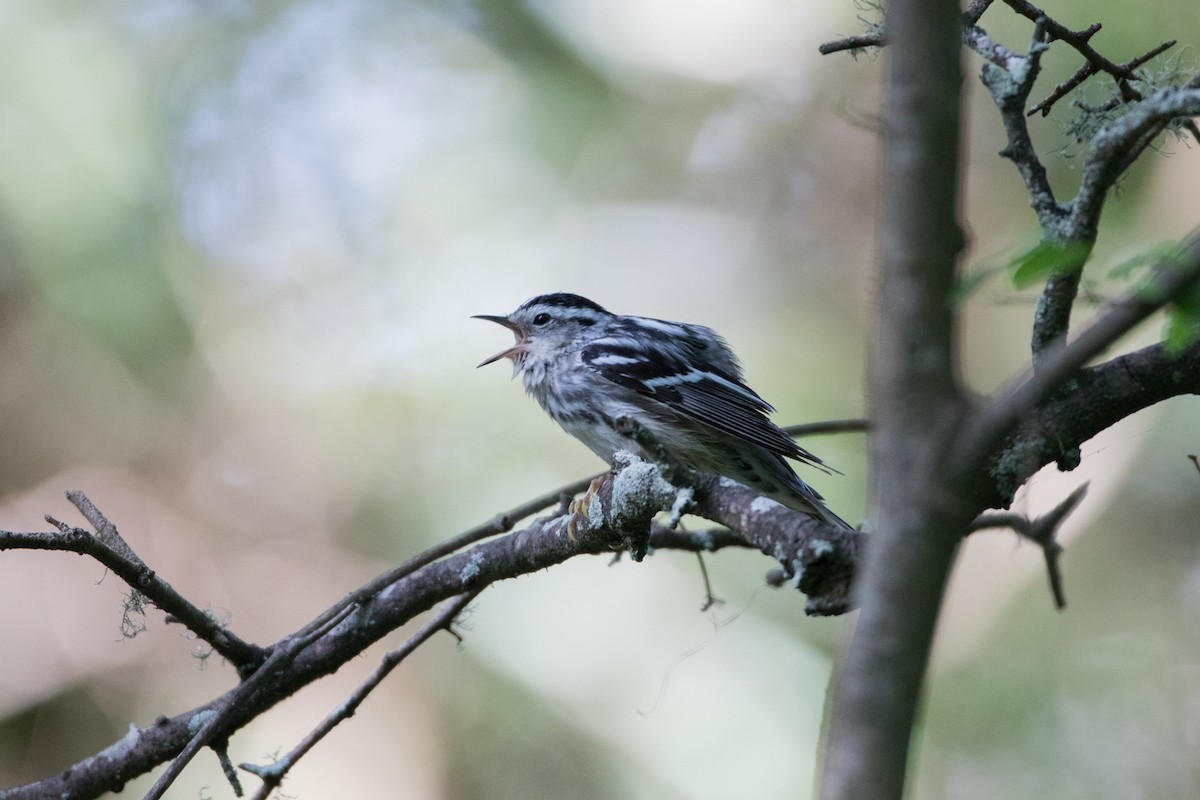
802,497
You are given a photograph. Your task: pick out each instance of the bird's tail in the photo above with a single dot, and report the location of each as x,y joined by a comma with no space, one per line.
769,473
802,497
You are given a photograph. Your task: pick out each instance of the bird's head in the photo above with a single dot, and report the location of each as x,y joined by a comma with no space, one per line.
547,325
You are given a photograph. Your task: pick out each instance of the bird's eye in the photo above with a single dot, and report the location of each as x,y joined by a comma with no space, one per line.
541,319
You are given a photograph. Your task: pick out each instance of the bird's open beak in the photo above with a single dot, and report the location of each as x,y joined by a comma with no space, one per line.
512,352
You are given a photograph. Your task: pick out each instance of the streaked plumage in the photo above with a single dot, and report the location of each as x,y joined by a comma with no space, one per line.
588,367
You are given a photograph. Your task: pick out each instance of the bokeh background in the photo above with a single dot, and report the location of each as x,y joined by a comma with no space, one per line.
239,246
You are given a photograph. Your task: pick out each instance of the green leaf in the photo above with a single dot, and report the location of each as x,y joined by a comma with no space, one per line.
1183,328
1183,322
1045,260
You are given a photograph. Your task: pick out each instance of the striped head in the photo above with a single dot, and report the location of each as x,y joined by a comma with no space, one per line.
547,326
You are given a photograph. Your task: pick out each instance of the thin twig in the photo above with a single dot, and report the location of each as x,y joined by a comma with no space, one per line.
828,427
105,530
861,42
212,727
1089,68
272,775
705,541
231,773
710,599
108,548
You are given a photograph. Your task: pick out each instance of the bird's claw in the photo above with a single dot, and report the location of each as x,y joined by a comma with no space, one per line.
580,508
596,508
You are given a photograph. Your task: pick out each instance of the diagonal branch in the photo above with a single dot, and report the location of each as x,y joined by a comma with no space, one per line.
499,524
211,726
1117,143
1056,430
979,438
820,558
506,521
1123,72
272,775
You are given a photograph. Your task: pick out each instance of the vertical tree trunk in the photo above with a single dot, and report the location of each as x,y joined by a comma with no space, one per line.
917,506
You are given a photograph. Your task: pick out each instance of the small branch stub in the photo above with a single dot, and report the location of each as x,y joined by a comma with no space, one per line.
1043,532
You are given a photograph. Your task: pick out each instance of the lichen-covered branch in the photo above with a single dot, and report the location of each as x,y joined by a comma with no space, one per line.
1112,149
818,557
924,504
1009,78
1008,408
1115,146
1122,72
1134,120
1100,397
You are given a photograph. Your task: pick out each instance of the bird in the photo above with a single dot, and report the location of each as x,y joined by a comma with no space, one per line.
589,369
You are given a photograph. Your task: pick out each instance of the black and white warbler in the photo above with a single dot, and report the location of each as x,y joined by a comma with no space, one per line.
588,368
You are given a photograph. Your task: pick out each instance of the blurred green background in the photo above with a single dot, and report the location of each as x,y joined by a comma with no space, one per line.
239,246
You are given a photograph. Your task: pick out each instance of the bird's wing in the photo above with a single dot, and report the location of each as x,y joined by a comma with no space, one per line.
708,395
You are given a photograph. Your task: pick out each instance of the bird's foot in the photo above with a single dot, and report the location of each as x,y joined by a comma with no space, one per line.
583,516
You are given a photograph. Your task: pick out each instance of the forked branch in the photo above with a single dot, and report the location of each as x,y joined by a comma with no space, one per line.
106,546
1043,532
818,556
